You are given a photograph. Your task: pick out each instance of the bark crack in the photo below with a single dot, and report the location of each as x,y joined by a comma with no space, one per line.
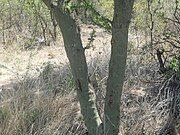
110,99
79,85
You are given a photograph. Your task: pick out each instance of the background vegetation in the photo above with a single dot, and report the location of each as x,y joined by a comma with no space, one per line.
37,93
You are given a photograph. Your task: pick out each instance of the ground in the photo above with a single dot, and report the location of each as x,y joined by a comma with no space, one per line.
37,90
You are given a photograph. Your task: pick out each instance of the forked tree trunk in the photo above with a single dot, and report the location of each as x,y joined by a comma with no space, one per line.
76,56
75,53
117,65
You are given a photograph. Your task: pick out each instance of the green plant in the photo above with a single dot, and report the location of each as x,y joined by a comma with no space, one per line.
32,115
96,17
47,76
70,82
4,114
175,66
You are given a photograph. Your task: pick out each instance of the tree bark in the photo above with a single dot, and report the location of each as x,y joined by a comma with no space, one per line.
75,53
119,42
76,56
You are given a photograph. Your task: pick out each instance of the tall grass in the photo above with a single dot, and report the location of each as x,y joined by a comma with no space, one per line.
42,98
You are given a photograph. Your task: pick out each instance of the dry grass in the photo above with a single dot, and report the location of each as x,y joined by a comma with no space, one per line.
37,94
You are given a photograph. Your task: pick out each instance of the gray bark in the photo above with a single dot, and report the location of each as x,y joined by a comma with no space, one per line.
75,53
119,42
76,56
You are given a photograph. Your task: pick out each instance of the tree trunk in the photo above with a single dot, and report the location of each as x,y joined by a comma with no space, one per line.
75,53
76,56
119,42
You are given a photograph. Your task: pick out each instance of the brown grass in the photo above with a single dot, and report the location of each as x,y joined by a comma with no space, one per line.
38,96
